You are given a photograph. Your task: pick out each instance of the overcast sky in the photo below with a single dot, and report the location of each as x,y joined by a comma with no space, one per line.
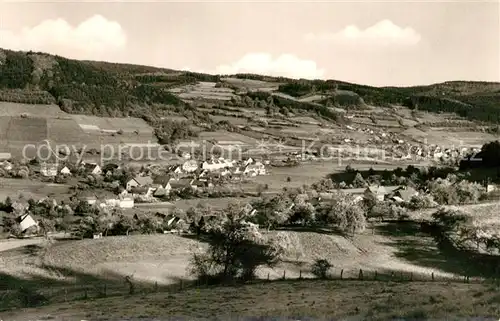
377,43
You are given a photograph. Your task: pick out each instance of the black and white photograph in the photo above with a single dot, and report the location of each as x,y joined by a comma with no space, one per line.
249,160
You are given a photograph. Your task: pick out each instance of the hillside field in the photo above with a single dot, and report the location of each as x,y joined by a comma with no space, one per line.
289,300
43,122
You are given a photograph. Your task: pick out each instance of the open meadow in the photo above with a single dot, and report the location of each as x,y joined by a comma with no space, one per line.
14,188
384,248
321,300
34,124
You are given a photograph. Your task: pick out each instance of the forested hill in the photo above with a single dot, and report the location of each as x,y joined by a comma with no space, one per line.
109,89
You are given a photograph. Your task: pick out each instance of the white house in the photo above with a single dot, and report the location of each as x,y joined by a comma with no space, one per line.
91,200
26,222
48,170
139,181
65,171
255,169
190,166
6,165
248,161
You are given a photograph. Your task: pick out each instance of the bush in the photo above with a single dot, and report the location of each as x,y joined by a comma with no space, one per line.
421,201
236,249
320,268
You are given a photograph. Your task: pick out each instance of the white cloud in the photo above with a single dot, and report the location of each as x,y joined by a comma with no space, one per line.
92,39
286,65
384,32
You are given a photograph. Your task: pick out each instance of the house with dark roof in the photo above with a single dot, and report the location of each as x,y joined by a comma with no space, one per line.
404,193
139,181
183,183
379,192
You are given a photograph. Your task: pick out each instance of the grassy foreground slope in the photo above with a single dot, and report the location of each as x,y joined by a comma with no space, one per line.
353,300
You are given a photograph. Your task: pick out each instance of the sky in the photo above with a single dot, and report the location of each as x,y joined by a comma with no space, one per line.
393,43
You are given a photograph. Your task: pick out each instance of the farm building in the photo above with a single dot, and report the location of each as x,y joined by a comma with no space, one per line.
142,191
405,193
190,166
6,165
48,169
123,202
110,168
162,180
255,169
162,191
26,222
65,171
92,168
183,183
5,156
139,181
379,192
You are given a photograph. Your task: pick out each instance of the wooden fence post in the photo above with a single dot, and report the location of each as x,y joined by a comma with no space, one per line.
86,295
65,295
156,286
432,276
375,277
341,273
181,284
105,291
284,274
268,276
411,276
360,274
300,274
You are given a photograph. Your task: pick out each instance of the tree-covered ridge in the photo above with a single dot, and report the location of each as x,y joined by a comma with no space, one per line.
84,87
472,100
112,89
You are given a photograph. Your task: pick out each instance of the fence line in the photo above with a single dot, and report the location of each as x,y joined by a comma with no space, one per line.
23,297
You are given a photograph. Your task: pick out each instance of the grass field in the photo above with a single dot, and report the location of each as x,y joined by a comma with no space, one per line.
165,258
203,90
321,300
250,84
484,215
448,139
48,122
15,109
232,120
384,248
27,130
226,136
29,189
65,131
309,173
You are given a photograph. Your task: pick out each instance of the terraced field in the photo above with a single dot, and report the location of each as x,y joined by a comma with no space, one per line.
15,109
27,130
204,90
65,131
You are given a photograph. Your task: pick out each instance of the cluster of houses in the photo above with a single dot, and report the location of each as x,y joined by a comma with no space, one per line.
193,177
398,194
54,169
